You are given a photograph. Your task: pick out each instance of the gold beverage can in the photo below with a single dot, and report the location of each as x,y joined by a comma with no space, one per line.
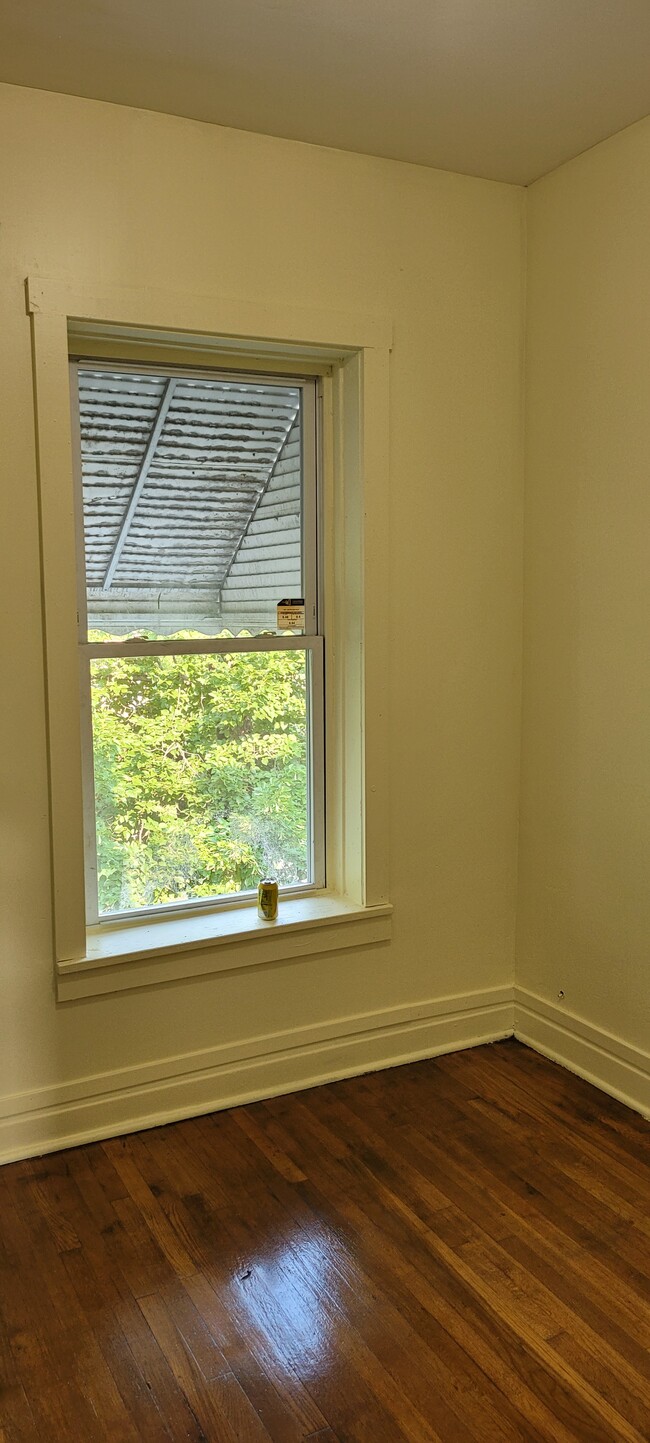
267,900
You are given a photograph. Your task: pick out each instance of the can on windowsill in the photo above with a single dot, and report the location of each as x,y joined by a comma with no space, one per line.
267,900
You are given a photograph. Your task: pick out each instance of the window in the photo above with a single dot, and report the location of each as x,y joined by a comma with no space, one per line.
143,332
202,698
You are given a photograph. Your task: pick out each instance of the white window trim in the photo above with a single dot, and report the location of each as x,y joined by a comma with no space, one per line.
192,944
352,352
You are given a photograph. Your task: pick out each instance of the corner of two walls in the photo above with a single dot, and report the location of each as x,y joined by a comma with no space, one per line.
582,993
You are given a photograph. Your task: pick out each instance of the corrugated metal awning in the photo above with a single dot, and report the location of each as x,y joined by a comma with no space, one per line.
174,469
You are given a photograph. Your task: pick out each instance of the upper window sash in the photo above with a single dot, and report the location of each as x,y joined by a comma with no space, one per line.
273,418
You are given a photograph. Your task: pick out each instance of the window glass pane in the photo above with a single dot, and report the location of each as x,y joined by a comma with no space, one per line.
192,503
201,775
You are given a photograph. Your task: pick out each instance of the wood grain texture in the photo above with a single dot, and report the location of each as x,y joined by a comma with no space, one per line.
454,1251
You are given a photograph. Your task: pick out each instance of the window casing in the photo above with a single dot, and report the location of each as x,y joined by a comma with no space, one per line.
351,352
138,615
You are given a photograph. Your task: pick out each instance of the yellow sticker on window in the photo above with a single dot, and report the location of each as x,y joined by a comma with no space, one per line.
291,614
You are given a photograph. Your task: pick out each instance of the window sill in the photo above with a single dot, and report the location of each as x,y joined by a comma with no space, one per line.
148,953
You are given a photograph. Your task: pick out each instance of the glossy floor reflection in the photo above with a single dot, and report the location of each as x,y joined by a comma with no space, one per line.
455,1251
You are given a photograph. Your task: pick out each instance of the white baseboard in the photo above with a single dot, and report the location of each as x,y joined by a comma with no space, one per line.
596,1055
149,1094
107,1104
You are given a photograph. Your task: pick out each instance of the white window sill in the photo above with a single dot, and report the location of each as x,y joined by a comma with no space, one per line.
148,953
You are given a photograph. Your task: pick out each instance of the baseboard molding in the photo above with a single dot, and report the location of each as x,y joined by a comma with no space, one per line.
107,1104
127,1099
597,1055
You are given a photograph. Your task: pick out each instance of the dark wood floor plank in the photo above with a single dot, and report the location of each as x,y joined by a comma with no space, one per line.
38,1308
123,1153
454,1251
16,1416
607,1379
48,1198
605,1419
281,1299
61,1344
170,1398
321,1277
580,1095
522,1204
343,1377
63,1413
195,1332
502,1360
254,1362
562,1104
246,1120
446,1368
178,1157
219,1404
553,1313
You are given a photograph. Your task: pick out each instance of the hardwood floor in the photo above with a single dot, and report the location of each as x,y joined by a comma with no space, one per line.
455,1251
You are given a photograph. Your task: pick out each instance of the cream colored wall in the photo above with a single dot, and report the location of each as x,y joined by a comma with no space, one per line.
103,194
584,913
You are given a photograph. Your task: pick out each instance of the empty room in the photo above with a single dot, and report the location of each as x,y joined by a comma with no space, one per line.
325,722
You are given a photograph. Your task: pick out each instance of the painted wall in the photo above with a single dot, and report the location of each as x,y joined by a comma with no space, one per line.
107,194
584,913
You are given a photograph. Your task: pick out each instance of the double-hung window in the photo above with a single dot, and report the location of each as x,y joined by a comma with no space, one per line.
196,763
201,658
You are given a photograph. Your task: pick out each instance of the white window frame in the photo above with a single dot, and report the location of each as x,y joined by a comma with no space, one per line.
311,643
351,354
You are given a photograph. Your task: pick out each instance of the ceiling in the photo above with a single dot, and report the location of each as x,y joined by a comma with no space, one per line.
506,89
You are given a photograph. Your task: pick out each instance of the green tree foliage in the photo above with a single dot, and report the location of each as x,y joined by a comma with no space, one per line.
200,774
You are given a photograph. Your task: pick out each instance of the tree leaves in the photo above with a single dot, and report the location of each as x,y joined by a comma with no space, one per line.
200,774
